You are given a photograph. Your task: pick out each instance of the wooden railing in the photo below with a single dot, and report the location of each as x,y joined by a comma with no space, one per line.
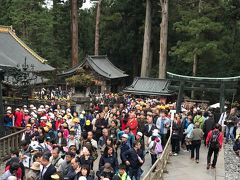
10,142
160,166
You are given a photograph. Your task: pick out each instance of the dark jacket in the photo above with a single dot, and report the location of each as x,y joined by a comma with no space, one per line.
176,131
124,147
208,125
132,156
109,159
88,162
71,174
148,132
47,175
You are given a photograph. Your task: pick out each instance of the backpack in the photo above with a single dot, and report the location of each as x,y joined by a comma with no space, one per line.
157,147
214,143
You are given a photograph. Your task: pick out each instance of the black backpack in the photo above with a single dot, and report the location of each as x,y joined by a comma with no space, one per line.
214,143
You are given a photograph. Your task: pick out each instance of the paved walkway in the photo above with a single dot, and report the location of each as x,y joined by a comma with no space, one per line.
181,167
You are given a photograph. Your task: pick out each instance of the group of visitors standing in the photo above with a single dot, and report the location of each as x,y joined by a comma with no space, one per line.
107,141
190,128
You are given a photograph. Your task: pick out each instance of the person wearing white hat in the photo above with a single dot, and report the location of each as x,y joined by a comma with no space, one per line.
9,108
124,144
154,142
8,119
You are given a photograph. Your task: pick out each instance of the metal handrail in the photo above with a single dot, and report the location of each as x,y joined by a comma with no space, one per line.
159,167
7,143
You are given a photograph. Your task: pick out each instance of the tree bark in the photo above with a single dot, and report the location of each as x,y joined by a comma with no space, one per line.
163,39
98,15
74,30
146,67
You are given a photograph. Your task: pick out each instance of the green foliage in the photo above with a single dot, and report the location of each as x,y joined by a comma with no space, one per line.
211,32
82,78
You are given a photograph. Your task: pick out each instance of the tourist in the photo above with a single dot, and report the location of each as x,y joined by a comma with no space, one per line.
196,136
86,158
230,122
149,127
199,119
188,133
56,160
73,170
47,169
176,135
122,174
12,171
236,146
214,142
84,172
66,164
124,145
208,125
109,157
155,145
163,124
132,122
34,172
133,160
185,123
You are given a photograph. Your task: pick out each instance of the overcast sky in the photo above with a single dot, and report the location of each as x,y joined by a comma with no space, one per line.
86,5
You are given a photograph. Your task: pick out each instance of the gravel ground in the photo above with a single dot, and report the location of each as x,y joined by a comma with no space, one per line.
232,163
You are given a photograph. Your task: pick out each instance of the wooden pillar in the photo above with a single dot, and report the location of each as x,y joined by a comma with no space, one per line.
222,97
180,96
1,100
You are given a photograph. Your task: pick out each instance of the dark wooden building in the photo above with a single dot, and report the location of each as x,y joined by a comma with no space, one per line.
108,78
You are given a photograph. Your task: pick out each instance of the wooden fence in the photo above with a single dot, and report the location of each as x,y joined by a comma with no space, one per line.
160,166
10,142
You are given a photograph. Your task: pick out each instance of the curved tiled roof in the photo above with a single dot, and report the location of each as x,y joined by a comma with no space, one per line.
13,51
149,86
101,65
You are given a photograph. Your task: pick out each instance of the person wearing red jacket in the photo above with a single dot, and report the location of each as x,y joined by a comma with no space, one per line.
18,117
214,141
133,123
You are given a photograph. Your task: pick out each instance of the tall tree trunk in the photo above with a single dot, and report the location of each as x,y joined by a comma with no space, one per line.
194,70
74,29
195,58
145,69
98,15
163,39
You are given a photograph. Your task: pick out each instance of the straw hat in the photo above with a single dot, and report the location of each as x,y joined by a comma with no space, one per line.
46,129
55,176
35,166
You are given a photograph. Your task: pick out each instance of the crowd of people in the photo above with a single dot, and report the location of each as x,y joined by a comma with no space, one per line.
109,141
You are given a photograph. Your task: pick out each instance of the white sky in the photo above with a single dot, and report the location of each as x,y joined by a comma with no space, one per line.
86,5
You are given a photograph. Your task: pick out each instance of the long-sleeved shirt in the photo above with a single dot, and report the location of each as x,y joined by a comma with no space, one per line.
189,130
163,124
132,156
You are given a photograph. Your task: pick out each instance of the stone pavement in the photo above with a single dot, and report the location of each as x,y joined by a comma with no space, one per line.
181,167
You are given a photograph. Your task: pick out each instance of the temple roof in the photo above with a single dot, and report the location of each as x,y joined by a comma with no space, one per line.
149,86
101,65
13,52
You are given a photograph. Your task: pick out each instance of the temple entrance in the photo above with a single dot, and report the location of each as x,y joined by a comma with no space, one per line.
221,86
